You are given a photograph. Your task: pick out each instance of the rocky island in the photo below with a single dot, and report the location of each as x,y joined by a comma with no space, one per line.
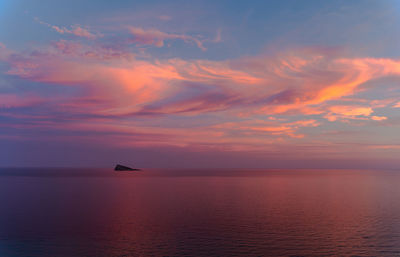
124,168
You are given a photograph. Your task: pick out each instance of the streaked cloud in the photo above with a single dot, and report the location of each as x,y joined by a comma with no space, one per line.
348,112
8,100
165,17
302,83
283,102
157,38
74,30
379,118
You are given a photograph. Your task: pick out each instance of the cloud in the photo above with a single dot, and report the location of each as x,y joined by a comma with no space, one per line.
304,81
261,127
379,118
165,17
385,147
4,52
249,103
302,84
102,53
8,100
74,30
347,112
218,37
157,38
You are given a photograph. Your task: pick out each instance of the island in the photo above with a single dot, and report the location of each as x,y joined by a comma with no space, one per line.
124,168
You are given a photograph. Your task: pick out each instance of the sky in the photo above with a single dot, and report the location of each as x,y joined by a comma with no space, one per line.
200,84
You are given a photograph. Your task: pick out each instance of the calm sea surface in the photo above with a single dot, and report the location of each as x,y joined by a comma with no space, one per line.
95,212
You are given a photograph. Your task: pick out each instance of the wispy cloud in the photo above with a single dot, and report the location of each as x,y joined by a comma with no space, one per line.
97,52
348,112
379,118
8,100
157,38
165,17
74,30
294,84
248,103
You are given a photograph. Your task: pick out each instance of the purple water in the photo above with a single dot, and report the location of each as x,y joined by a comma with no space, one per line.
95,212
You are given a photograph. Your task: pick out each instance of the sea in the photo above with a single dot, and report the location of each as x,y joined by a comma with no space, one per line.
101,212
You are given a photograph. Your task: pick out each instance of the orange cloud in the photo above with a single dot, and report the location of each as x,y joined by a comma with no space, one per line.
350,112
379,118
295,84
310,79
272,128
385,147
233,100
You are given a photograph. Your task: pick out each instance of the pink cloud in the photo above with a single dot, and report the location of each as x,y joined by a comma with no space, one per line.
165,17
218,37
299,84
271,128
240,95
302,83
385,147
78,50
15,100
4,52
381,103
157,38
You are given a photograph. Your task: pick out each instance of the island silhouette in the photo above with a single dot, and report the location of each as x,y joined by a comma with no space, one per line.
119,167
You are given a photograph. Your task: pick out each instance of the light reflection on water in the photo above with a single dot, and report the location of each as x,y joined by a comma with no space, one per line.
71,212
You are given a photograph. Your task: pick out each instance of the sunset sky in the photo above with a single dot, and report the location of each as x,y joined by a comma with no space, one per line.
248,84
